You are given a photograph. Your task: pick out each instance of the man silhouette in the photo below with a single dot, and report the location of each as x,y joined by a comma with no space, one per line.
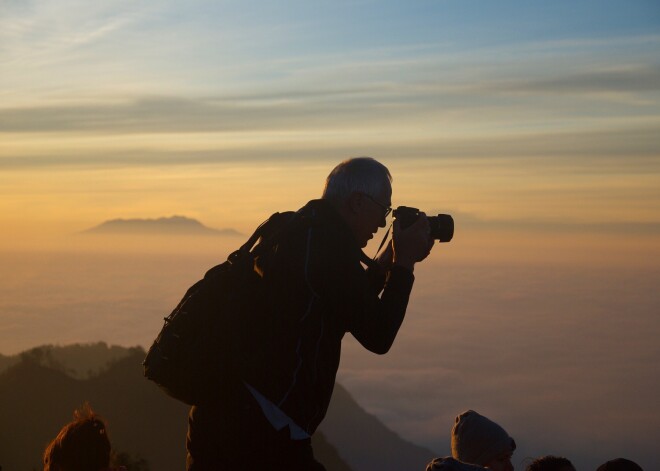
317,290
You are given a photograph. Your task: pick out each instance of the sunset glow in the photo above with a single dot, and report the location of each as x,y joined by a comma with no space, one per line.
535,124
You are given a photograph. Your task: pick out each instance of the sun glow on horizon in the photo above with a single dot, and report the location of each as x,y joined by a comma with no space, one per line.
535,124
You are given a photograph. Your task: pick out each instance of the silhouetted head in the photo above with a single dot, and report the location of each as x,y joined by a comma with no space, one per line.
81,445
476,439
620,464
550,463
361,190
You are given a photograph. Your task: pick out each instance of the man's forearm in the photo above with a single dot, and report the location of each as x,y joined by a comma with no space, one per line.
380,324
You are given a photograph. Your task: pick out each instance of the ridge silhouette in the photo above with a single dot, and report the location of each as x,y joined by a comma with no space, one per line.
179,225
39,392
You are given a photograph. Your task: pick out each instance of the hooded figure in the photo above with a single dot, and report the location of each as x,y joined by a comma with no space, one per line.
478,440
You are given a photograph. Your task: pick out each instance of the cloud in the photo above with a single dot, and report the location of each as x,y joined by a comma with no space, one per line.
540,226
415,87
474,345
560,152
637,79
48,32
177,114
324,109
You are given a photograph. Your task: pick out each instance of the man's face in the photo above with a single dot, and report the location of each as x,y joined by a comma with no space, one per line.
371,215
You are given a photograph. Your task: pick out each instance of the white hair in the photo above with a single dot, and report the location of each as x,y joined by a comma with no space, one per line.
359,174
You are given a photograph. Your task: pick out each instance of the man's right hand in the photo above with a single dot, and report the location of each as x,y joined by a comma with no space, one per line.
413,244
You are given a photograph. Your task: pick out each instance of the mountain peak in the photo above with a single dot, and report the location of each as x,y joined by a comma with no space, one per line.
173,225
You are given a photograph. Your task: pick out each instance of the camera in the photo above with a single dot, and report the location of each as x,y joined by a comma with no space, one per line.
442,225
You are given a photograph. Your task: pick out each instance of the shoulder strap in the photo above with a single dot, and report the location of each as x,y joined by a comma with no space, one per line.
266,234
279,224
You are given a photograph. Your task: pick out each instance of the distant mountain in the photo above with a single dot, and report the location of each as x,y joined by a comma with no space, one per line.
365,442
80,361
175,225
7,361
38,395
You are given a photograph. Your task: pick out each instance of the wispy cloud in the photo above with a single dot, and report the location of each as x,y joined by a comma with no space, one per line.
635,80
542,225
173,140
176,114
429,86
50,32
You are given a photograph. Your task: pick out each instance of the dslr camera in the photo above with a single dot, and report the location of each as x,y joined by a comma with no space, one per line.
442,225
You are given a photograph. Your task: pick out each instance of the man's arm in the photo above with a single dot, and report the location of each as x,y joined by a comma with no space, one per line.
374,321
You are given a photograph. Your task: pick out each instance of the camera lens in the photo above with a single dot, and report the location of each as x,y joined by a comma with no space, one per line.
442,227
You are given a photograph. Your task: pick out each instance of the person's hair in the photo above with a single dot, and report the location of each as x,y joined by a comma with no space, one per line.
549,463
620,464
81,445
359,174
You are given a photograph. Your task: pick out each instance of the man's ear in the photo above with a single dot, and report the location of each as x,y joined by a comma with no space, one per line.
354,202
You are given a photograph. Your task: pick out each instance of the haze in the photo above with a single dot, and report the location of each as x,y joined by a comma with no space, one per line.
536,125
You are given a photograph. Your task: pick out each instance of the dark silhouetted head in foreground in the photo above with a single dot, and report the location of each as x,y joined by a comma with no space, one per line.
620,464
81,445
550,463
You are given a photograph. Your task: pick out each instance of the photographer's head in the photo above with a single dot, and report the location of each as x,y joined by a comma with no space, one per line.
361,190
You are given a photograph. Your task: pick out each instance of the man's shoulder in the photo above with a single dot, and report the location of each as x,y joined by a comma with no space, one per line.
317,227
327,226
320,210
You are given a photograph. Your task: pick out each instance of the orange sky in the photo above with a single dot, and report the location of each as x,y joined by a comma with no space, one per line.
537,125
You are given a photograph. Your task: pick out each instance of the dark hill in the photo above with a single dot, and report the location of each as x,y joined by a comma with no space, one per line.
40,391
77,360
365,442
175,225
36,400
7,361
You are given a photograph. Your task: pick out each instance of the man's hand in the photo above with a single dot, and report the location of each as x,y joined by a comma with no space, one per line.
413,244
386,257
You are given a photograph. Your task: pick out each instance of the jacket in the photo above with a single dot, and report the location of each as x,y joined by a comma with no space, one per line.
317,291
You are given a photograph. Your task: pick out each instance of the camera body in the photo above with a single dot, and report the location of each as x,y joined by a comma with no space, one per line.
442,225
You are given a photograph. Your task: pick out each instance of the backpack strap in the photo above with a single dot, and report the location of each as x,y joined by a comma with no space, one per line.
279,224
266,234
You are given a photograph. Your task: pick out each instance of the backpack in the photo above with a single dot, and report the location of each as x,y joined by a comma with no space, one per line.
199,350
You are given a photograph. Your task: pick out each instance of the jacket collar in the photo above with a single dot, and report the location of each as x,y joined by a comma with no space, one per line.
324,210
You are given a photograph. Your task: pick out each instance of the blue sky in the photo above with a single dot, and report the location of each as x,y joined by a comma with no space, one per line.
230,46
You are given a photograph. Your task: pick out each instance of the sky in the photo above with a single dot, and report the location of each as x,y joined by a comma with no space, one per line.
535,124
526,111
